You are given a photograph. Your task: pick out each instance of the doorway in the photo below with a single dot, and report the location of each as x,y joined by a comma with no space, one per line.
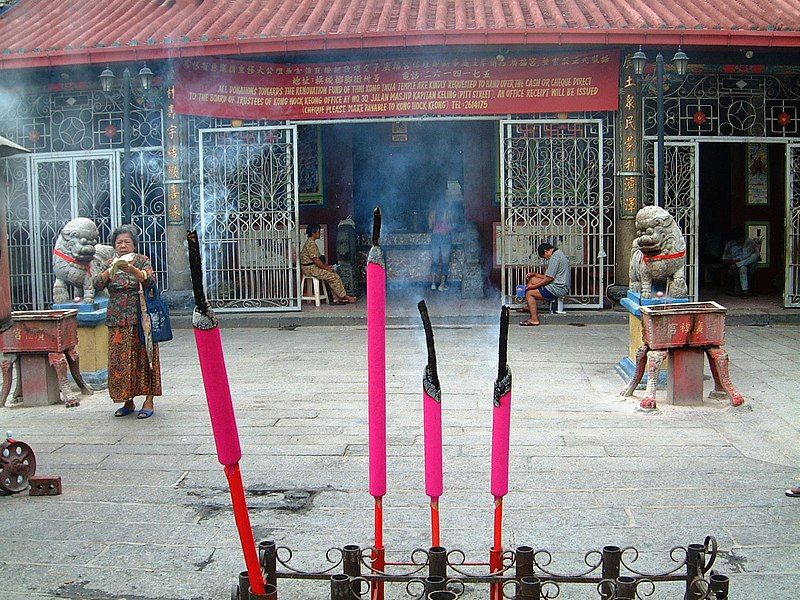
407,168
742,185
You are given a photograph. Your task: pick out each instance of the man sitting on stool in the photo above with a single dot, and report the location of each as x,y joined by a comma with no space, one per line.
554,284
742,256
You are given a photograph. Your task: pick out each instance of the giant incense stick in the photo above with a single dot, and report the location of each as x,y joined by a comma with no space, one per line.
432,423
376,359
220,408
501,430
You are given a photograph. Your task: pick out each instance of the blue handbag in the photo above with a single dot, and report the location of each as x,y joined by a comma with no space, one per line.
160,327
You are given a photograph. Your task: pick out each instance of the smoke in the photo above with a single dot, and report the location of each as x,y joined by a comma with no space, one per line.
13,97
408,179
407,174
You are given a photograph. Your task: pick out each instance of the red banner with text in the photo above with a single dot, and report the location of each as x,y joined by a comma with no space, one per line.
233,89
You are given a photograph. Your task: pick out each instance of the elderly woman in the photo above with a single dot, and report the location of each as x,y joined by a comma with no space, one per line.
130,373
312,266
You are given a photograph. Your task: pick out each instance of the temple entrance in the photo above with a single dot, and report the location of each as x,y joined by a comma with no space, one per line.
742,186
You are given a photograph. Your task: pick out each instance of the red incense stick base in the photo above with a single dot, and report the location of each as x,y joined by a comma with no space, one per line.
242,518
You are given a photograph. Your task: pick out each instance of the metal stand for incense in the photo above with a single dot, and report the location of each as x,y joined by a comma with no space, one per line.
526,573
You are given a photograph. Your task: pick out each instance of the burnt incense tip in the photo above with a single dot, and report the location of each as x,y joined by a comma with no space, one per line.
505,314
432,370
196,269
376,226
423,310
502,358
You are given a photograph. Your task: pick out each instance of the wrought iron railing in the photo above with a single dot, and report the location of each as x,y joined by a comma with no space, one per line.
611,573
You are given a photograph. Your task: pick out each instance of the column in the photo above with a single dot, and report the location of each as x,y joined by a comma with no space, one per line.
629,188
176,181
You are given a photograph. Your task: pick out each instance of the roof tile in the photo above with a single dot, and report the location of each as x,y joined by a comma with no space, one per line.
100,24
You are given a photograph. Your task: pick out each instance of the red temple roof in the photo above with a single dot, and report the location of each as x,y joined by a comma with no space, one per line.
61,32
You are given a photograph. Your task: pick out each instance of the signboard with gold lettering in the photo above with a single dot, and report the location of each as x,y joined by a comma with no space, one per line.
172,162
630,168
586,81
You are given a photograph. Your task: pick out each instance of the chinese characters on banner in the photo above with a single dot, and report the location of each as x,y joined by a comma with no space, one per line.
629,168
387,88
172,157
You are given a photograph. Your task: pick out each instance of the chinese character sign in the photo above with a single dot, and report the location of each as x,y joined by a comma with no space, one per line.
630,138
174,183
251,90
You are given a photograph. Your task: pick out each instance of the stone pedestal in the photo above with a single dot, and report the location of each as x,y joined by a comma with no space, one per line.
685,376
92,340
39,380
633,302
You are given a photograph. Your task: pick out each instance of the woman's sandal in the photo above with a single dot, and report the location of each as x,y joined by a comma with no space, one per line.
145,413
124,411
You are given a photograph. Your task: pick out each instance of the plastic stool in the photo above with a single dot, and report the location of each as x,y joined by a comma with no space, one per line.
557,306
317,292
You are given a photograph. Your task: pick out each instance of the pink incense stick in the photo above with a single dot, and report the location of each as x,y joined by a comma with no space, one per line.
376,381
432,424
220,408
218,394
376,358
432,413
501,433
501,415
434,482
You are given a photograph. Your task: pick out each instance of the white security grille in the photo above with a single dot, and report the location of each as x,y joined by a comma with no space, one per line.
680,199
792,283
46,191
553,192
249,217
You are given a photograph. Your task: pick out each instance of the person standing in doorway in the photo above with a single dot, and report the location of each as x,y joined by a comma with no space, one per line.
440,222
554,284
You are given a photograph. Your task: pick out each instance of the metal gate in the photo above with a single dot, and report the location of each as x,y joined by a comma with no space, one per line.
791,297
680,199
62,188
249,217
552,192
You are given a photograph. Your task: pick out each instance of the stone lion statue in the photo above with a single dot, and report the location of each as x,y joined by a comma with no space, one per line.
77,257
658,253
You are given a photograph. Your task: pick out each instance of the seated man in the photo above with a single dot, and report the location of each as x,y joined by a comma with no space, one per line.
312,266
742,256
554,284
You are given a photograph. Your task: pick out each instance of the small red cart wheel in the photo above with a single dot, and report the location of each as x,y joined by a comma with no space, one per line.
17,466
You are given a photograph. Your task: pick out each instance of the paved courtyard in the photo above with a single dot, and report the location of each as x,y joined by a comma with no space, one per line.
145,510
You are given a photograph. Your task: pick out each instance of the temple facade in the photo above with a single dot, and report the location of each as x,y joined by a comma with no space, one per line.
532,126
